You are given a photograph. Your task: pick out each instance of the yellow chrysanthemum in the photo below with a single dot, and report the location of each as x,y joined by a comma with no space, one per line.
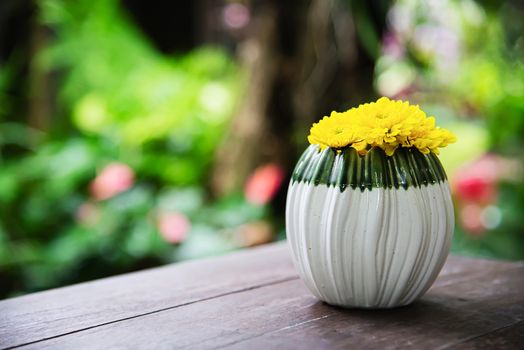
338,128
386,123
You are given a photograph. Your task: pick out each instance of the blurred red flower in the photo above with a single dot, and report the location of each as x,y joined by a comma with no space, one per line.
477,181
173,226
112,180
476,190
263,184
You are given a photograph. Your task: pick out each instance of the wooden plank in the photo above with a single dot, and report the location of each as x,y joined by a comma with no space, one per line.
472,299
510,337
446,316
51,313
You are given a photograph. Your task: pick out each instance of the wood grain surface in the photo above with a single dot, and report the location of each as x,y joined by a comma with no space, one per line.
51,313
254,300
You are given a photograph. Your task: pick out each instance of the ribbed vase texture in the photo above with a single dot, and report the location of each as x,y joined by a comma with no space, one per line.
369,231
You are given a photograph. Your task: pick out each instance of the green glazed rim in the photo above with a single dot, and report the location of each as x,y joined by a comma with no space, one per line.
407,167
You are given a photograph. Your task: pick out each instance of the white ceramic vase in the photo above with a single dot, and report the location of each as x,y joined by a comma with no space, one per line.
369,231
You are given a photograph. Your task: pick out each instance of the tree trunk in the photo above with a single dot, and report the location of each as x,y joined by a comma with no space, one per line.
303,60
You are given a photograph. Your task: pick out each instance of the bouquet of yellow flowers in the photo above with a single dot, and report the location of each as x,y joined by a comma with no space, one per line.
386,123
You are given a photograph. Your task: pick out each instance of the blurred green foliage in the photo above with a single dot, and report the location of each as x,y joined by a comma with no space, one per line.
157,119
160,117
123,91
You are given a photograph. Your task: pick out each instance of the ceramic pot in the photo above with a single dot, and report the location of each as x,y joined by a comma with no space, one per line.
369,231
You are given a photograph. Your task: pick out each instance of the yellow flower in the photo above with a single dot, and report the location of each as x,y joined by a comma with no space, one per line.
337,128
386,123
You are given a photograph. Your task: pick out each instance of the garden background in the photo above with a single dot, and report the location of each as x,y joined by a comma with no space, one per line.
134,134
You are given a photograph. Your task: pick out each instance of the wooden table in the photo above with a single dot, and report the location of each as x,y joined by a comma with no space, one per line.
253,299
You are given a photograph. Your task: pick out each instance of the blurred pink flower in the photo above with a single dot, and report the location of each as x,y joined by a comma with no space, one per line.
264,183
173,226
112,180
88,214
391,46
471,219
236,15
